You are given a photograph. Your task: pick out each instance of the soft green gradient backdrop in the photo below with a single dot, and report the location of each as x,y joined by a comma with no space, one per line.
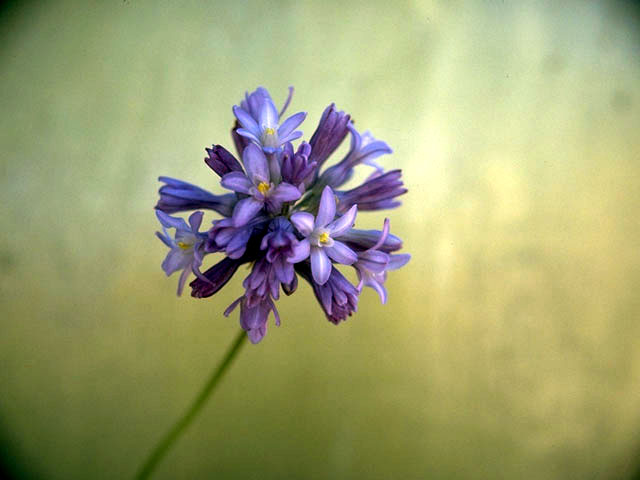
510,344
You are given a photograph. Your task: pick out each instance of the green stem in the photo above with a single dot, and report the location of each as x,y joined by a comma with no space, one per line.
163,447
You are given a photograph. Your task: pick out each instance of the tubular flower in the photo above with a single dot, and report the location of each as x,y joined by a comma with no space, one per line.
284,217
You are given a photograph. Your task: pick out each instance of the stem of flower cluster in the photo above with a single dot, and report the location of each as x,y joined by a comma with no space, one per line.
172,435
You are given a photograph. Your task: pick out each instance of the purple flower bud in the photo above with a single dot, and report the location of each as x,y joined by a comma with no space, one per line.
222,161
253,318
281,245
376,193
337,297
296,168
261,283
179,196
235,241
329,134
209,282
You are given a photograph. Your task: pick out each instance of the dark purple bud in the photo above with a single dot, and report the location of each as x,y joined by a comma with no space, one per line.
376,193
261,284
215,278
330,133
179,196
337,297
221,161
289,288
296,168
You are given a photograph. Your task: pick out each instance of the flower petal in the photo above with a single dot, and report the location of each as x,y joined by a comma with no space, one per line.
171,222
290,124
268,114
344,223
175,260
195,220
303,221
320,265
245,210
340,253
285,192
236,181
397,261
299,251
256,164
247,134
327,208
246,120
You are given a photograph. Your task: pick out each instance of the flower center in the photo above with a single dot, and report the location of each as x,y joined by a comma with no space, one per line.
270,137
323,238
263,187
184,246
269,131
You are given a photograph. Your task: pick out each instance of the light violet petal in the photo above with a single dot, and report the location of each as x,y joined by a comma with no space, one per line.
398,261
292,136
165,239
340,253
175,260
236,181
320,266
171,222
285,192
245,210
299,251
373,260
383,235
290,124
268,114
183,279
195,220
247,134
303,221
255,164
246,120
344,223
327,208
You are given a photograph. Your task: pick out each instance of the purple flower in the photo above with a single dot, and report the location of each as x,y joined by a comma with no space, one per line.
179,196
372,265
186,247
221,161
319,233
235,241
376,193
337,297
260,121
296,168
257,184
253,318
330,133
282,248
364,149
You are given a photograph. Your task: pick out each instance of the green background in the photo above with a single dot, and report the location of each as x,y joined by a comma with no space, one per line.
509,347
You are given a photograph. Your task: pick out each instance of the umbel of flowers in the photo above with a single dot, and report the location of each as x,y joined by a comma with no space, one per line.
286,214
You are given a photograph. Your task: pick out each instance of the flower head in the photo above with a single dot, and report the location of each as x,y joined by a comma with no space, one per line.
285,215
186,248
260,121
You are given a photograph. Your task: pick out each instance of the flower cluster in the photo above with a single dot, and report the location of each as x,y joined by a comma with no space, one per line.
286,215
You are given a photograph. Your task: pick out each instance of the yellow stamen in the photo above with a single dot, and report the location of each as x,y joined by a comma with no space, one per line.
269,131
184,246
323,238
263,187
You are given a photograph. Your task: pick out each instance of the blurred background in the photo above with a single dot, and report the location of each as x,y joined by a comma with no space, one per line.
509,347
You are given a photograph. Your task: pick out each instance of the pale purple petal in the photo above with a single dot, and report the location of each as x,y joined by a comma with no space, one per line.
246,120
299,251
290,124
268,114
245,210
383,235
373,260
183,279
285,192
303,221
171,222
344,223
327,208
292,136
247,134
195,220
236,181
340,253
320,265
166,239
175,260
398,261
256,164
